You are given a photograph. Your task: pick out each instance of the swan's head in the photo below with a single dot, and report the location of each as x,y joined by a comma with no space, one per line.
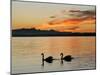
42,54
61,53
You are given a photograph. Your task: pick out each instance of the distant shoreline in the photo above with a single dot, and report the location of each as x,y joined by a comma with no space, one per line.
34,33
54,36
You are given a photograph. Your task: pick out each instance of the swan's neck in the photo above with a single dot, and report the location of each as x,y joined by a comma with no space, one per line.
42,56
42,59
61,56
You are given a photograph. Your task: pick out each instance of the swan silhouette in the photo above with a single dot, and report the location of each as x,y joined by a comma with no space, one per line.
48,59
66,58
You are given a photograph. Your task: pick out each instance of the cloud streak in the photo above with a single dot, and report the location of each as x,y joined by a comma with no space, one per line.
78,21
80,14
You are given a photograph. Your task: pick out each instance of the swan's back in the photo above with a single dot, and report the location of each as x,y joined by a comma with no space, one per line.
68,58
49,59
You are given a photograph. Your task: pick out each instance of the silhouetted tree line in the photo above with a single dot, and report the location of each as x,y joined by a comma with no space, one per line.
35,32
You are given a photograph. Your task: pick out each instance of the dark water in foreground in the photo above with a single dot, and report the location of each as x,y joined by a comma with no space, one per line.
26,53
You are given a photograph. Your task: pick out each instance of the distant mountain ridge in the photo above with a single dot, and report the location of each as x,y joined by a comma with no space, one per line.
35,32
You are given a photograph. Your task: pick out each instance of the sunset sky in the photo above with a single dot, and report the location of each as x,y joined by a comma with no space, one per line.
59,17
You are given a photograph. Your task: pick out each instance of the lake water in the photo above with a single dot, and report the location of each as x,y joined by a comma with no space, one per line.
26,53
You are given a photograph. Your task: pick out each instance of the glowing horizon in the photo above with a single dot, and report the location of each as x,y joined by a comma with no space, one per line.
44,16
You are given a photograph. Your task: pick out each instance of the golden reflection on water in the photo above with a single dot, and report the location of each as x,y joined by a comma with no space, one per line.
26,52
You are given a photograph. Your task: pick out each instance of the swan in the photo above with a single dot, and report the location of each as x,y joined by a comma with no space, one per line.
49,59
66,58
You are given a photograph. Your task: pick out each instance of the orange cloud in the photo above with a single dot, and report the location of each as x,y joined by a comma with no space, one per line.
66,22
86,24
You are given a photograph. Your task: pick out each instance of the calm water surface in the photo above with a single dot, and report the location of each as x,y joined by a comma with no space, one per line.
26,53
